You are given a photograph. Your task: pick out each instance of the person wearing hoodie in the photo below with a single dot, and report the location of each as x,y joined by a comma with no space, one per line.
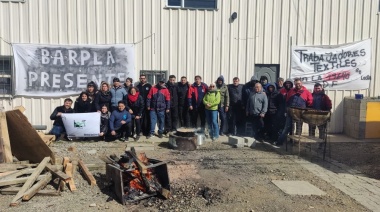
92,90
256,109
144,88
223,106
281,113
298,97
120,122
171,118
103,97
195,100
320,102
158,103
183,107
211,102
83,103
117,92
264,82
271,115
236,110
128,84
136,103
248,89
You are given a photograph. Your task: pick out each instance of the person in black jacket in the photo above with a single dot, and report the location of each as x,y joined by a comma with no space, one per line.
144,88
103,97
92,90
104,121
136,103
58,127
271,128
83,103
171,118
236,111
183,106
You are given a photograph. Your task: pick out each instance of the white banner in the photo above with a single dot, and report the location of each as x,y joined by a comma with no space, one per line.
344,67
62,70
82,124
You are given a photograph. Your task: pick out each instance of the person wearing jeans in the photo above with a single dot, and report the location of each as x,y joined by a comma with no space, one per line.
158,102
211,101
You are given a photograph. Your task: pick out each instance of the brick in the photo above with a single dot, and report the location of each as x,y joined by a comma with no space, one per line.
249,142
232,140
238,145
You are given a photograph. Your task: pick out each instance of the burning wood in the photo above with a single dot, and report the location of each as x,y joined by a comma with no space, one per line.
137,177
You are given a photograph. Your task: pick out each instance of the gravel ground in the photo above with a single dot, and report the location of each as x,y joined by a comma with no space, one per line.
215,177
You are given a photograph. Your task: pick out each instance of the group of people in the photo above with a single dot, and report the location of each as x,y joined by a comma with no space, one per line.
129,111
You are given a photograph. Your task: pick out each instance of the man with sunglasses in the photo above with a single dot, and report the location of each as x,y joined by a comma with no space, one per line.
144,88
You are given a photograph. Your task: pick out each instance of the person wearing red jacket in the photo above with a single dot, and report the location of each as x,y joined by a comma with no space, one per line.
299,97
320,102
158,102
195,99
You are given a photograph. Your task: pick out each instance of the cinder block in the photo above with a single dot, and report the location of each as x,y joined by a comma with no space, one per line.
232,140
238,145
249,142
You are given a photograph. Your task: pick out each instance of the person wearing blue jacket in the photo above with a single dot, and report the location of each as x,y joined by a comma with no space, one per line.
120,122
118,93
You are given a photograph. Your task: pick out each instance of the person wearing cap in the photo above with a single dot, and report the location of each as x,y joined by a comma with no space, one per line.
236,110
195,100
117,93
320,102
158,103
171,118
144,88
212,101
224,105
92,90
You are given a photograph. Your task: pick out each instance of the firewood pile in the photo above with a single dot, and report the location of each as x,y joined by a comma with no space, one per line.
25,180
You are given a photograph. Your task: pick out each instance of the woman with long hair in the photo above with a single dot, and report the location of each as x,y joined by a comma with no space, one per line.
136,103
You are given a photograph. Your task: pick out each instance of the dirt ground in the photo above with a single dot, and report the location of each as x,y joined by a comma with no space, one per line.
215,177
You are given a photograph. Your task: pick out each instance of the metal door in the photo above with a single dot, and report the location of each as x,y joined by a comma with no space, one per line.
271,71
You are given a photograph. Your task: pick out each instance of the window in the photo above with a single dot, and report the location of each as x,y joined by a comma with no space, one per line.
193,4
5,75
153,76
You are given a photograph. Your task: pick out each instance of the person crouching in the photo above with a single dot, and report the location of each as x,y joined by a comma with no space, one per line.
120,122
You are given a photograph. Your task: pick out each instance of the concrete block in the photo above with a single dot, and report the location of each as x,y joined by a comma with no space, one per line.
238,145
249,142
232,140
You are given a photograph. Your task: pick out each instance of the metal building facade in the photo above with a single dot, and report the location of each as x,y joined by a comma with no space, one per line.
189,41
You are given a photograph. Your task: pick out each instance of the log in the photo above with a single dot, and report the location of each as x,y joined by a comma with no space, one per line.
69,171
15,190
30,181
90,178
56,170
36,187
17,181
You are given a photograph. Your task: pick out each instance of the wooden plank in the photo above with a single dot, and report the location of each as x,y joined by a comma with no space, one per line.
90,178
17,174
21,162
15,190
66,160
36,187
5,167
7,173
16,181
24,137
5,143
48,139
20,108
69,171
30,181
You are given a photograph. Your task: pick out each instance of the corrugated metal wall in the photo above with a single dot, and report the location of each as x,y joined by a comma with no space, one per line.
191,42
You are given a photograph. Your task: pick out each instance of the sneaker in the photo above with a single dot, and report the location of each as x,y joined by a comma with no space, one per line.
221,134
126,139
150,136
160,135
122,139
134,136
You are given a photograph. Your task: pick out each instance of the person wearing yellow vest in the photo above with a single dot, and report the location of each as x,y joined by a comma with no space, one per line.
211,101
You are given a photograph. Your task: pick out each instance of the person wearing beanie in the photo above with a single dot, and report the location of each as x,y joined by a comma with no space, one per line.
281,112
92,90
264,82
224,105
158,103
